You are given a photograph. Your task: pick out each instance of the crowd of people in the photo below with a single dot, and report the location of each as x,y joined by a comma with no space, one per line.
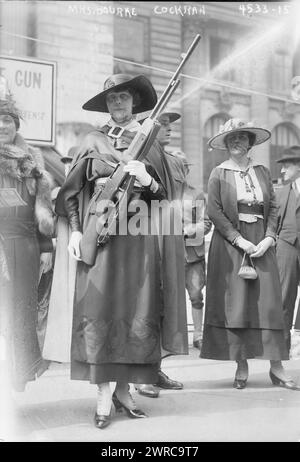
115,319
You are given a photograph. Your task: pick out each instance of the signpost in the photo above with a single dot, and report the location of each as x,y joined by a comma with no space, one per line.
33,83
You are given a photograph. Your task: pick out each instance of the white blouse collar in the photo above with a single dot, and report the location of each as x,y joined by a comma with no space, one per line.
231,165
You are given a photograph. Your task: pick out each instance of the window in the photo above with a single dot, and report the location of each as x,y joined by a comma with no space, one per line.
215,157
282,72
131,43
219,49
283,136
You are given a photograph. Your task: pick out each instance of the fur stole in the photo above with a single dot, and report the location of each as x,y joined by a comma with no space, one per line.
25,163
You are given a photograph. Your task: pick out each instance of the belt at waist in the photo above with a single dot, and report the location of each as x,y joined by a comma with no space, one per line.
250,208
16,228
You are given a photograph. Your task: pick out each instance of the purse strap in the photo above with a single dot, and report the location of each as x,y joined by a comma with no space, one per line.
250,259
243,261
252,264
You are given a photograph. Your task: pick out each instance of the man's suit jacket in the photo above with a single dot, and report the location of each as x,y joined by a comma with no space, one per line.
288,206
195,245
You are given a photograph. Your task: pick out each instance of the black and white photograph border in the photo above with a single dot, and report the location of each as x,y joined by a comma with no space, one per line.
54,57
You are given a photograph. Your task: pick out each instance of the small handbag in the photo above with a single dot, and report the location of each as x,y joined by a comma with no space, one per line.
247,271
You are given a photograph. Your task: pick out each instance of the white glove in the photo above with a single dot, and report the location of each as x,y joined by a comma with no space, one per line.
45,262
138,169
73,247
262,247
246,246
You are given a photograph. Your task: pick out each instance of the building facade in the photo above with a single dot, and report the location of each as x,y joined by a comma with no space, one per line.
243,66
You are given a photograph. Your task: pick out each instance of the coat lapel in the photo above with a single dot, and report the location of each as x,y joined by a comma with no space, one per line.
282,197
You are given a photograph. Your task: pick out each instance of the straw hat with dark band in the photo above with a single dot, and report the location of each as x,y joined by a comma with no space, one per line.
237,125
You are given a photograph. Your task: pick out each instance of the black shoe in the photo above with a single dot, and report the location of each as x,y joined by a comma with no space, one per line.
197,344
101,420
132,413
239,384
165,382
147,390
289,384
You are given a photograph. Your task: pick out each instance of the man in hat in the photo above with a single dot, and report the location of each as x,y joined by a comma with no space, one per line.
194,231
196,225
288,232
163,137
57,344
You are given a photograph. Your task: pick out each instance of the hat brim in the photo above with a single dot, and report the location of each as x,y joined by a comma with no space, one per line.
218,141
173,116
140,83
66,159
288,159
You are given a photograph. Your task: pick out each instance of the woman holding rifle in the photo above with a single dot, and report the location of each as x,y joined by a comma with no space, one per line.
120,324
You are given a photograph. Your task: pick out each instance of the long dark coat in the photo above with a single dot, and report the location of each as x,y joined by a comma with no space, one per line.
19,262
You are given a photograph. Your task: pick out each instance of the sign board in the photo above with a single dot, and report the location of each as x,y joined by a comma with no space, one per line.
32,83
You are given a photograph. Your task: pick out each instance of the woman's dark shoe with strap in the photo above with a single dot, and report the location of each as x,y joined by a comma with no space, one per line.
101,421
289,384
132,413
239,384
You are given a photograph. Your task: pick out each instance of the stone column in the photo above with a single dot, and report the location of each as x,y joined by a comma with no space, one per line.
191,124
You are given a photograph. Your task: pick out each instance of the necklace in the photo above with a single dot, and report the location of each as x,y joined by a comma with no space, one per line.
249,185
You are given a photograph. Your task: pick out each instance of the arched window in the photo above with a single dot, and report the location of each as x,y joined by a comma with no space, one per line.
283,136
216,156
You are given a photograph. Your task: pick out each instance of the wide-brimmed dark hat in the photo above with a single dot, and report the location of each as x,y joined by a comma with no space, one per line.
291,154
238,125
119,82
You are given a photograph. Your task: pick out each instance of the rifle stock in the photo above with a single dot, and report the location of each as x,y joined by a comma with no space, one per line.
118,209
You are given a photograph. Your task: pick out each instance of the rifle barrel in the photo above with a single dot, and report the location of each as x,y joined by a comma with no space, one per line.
165,96
172,90
187,55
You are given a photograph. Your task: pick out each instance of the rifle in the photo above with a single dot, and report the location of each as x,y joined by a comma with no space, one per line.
98,221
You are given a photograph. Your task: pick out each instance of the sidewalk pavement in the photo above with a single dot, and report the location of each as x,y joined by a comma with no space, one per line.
208,409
